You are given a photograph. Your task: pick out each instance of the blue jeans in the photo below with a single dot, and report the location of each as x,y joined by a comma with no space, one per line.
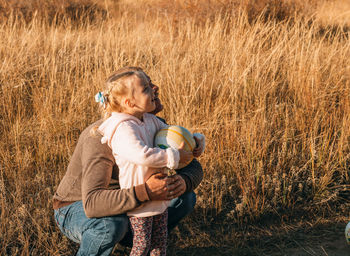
98,236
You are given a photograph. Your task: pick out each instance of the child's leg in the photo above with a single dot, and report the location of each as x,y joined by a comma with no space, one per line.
142,230
159,234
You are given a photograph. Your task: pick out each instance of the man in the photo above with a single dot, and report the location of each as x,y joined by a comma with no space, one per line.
89,205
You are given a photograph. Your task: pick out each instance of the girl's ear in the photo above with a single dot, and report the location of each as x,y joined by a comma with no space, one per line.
128,103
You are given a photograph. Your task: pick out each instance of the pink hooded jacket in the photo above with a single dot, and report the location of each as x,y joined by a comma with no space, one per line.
131,141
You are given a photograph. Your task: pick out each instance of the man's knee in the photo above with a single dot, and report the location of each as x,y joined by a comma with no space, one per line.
101,235
180,207
188,201
109,229
116,228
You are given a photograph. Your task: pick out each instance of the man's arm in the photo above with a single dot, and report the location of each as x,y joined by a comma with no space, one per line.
192,174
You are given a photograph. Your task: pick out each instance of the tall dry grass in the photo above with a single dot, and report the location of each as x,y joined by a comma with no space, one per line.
270,94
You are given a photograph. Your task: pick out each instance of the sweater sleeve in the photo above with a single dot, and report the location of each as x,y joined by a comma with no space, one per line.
128,144
192,174
98,199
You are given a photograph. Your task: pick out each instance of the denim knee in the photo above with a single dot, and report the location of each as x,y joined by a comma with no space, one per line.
115,228
101,235
189,201
180,207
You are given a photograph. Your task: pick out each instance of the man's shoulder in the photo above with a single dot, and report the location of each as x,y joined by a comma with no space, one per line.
91,131
88,129
90,139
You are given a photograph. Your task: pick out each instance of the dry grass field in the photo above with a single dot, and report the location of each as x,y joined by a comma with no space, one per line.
267,82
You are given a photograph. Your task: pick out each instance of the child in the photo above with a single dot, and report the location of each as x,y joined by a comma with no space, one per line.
130,131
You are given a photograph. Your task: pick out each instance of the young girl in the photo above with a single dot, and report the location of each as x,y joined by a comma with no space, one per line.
130,131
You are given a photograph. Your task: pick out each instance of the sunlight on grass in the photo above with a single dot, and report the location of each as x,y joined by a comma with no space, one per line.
268,85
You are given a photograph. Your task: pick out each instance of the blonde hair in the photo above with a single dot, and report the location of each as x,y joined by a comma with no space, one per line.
117,86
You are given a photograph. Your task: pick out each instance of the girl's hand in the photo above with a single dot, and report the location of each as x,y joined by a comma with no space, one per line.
197,152
200,142
185,156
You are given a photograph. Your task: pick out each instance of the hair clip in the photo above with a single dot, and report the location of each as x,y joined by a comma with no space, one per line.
100,98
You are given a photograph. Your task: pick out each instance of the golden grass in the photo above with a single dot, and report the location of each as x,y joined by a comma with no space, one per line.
270,93
334,13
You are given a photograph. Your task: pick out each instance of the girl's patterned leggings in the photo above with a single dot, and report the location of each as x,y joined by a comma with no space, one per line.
149,235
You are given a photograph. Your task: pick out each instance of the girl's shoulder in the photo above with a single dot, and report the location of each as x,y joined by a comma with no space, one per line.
154,123
149,116
122,118
117,121
153,117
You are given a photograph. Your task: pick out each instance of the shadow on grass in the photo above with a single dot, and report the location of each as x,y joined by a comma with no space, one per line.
305,234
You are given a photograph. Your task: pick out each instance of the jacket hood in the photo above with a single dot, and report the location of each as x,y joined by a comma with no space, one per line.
110,125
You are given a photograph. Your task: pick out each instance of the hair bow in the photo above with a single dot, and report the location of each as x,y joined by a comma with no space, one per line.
100,98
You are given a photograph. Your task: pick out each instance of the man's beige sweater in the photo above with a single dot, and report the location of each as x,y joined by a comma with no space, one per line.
92,176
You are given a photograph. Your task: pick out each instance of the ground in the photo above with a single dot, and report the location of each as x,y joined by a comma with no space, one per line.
331,242
317,238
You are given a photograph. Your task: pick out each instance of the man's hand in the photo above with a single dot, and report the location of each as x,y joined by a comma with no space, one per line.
177,187
156,186
161,187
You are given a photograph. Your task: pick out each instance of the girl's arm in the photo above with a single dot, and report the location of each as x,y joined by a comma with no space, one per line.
127,143
199,138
